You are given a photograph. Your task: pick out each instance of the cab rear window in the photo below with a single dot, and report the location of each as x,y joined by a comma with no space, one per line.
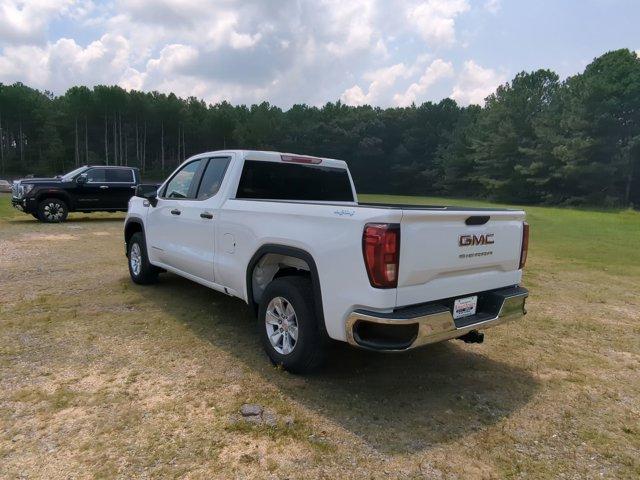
286,181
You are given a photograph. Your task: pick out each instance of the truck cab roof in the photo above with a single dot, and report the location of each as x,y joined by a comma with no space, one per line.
111,166
270,156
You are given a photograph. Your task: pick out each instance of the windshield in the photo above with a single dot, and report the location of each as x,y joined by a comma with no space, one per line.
69,176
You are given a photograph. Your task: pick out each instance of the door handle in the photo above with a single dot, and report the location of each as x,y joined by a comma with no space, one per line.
104,186
175,211
206,215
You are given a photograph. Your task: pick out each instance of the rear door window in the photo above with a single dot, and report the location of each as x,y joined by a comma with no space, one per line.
286,181
212,177
119,175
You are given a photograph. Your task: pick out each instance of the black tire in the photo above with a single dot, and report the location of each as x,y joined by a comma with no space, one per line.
52,210
310,346
143,273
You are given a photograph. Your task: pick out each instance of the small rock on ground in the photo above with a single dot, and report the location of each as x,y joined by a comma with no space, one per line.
270,419
249,409
253,413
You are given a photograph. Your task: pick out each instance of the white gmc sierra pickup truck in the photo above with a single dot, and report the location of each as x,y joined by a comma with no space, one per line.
286,234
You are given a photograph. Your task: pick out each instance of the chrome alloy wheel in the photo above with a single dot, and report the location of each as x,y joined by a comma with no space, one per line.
282,325
135,259
53,211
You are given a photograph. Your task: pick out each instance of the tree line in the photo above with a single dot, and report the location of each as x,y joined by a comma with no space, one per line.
537,140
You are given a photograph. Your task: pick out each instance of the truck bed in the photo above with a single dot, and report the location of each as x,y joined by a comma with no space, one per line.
433,263
407,206
392,206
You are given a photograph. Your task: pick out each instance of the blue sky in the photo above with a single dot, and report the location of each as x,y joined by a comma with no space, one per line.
384,53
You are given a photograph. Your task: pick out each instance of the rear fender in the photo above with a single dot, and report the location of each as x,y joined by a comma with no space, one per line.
291,252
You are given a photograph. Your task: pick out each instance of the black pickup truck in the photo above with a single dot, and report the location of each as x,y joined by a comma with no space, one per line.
92,188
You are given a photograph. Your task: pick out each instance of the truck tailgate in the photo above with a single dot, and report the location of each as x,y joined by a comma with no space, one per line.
449,252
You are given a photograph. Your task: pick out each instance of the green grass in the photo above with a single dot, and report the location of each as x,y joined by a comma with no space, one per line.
6,210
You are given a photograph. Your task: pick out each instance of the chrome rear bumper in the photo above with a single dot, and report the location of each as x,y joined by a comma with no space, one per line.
412,327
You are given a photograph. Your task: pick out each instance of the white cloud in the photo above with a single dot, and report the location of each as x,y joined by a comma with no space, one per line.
173,57
434,20
381,81
173,14
24,63
351,25
438,70
223,31
354,96
244,51
64,63
475,83
26,22
493,6
132,79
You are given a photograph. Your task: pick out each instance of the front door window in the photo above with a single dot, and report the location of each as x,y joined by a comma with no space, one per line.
180,185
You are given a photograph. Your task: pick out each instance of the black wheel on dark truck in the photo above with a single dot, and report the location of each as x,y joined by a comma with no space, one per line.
52,210
291,334
141,271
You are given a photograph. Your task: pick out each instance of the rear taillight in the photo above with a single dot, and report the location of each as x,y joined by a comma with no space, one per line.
381,250
525,244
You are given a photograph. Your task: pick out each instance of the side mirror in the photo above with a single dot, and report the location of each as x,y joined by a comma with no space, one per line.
81,179
148,192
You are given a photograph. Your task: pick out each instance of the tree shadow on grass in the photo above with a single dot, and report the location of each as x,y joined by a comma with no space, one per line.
69,221
117,218
396,403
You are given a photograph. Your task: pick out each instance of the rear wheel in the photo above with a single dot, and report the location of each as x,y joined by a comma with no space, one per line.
52,210
291,335
140,270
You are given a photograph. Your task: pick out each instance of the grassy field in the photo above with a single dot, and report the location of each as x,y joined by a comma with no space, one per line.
103,378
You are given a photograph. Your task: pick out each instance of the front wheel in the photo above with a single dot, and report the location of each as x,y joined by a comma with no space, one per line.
52,210
291,333
140,270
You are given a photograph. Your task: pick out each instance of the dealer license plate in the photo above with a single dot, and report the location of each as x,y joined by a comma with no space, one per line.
463,307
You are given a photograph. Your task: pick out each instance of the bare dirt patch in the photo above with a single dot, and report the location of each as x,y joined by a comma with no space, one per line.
43,237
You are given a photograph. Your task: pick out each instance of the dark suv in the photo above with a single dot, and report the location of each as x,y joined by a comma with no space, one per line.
92,188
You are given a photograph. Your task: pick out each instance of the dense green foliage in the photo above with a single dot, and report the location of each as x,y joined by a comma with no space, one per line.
537,140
